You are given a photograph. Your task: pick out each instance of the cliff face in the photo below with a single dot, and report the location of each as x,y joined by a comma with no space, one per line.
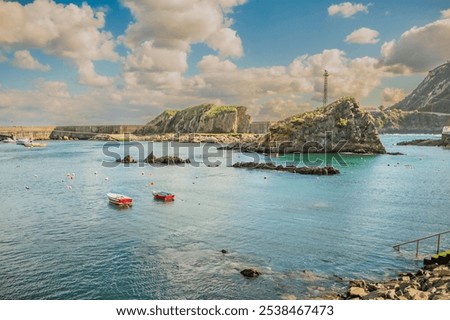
205,118
425,110
339,127
432,94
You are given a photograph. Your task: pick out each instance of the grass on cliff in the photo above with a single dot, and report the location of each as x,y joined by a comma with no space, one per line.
218,110
170,113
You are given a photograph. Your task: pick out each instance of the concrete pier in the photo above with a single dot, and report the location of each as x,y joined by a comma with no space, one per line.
63,132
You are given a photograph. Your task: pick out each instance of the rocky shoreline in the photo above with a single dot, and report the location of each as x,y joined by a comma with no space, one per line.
431,282
223,139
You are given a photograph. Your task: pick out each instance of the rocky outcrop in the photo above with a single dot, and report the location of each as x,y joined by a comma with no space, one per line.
339,127
432,94
429,283
205,118
127,159
321,171
152,159
250,273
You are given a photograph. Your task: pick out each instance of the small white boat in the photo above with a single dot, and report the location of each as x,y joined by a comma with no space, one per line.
120,199
22,141
34,145
9,140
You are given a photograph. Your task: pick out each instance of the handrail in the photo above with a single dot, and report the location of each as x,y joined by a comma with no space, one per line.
438,235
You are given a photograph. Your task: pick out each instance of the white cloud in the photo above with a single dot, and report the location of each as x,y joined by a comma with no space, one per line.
66,31
161,38
419,49
363,36
282,107
212,64
88,76
347,9
391,96
445,14
147,57
177,24
227,42
274,92
23,59
357,77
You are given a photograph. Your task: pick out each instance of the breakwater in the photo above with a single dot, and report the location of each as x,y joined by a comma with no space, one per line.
36,133
64,132
88,132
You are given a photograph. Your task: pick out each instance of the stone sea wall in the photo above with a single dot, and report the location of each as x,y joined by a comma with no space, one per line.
89,132
34,132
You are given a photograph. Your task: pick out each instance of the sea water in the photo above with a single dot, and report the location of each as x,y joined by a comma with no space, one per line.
61,239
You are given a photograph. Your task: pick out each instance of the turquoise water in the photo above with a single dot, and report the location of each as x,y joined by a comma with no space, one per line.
60,239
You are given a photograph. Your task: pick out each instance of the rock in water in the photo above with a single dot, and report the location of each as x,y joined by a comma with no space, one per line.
339,127
150,158
127,159
250,273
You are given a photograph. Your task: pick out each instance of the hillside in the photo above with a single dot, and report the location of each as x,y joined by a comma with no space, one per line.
205,118
431,95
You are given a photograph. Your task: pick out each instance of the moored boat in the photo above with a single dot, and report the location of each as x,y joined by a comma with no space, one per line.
23,141
34,145
119,199
9,140
164,196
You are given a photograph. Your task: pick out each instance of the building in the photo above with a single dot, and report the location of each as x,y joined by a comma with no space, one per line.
446,134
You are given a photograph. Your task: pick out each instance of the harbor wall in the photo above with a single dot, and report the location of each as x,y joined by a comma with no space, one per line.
87,132
17,132
63,132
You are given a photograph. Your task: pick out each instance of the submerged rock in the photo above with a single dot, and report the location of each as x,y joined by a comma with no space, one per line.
250,273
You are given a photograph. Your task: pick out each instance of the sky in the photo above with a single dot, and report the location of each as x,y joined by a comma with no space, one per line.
126,61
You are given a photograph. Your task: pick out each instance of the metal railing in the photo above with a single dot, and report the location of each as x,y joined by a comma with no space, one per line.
438,244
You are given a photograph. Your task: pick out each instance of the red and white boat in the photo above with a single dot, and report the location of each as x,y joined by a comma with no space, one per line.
162,195
120,199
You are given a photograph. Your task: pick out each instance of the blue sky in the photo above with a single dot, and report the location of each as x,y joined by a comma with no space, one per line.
95,62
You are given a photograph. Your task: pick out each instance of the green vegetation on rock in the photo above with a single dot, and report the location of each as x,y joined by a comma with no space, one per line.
170,113
342,122
217,110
